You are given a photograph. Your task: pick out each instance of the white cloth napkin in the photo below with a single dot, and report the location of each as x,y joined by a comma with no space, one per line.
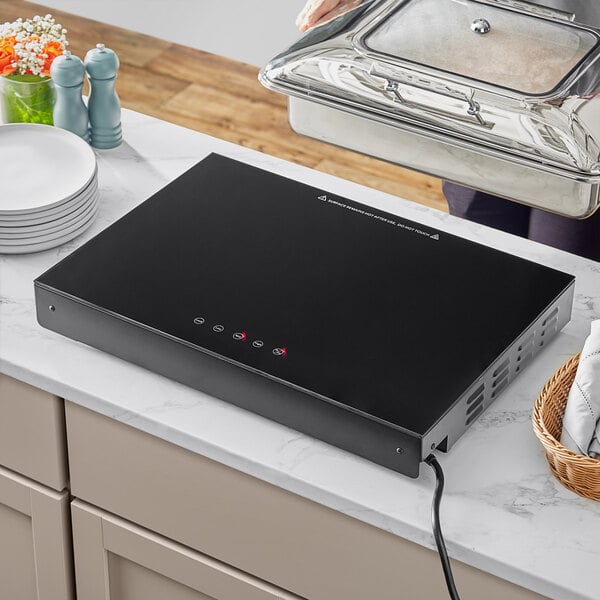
581,423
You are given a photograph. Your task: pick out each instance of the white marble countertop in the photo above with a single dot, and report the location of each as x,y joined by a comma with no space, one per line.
502,511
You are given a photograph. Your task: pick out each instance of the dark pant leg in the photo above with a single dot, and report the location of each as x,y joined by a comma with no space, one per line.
486,209
580,237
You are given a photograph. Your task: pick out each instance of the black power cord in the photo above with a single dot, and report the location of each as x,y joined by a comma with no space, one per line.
437,530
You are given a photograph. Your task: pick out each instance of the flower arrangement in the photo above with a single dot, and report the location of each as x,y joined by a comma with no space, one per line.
28,47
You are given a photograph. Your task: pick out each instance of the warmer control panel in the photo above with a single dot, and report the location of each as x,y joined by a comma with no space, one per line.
241,337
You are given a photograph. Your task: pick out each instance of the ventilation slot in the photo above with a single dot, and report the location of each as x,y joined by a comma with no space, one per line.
475,414
553,316
549,330
549,326
499,386
526,343
500,368
475,400
512,362
475,405
475,395
500,378
525,351
523,361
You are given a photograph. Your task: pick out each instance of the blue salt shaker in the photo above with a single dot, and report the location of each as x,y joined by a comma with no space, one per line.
104,107
67,72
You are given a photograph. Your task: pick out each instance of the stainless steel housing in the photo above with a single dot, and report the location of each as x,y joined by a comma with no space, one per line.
530,133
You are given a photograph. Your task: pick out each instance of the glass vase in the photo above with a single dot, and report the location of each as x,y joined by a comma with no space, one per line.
26,99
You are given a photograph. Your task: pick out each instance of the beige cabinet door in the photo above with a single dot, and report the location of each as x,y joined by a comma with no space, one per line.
117,560
277,536
35,541
32,433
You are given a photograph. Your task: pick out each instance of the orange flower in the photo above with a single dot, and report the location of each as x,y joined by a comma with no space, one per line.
52,50
7,56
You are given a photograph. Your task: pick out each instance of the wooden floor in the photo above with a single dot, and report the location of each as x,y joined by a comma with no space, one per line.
222,98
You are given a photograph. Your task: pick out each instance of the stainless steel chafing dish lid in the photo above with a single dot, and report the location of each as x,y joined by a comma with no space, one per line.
499,95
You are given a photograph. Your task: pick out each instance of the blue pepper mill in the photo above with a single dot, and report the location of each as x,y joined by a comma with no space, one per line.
67,72
104,107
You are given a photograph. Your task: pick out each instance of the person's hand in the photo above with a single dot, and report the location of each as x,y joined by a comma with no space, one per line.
318,12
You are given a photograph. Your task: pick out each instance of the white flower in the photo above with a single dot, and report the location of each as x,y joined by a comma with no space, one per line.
32,36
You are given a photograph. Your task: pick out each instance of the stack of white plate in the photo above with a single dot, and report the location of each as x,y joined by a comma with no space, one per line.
48,187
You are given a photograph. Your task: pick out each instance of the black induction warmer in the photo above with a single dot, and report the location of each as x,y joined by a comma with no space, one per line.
379,335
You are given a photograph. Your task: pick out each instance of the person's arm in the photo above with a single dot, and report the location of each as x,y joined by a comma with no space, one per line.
318,12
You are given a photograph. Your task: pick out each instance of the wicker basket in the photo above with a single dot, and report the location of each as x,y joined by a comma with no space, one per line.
576,472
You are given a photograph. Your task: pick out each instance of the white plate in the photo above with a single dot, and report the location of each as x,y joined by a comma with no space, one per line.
28,248
46,220
53,211
23,235
48,217
47,237
42,166
47,226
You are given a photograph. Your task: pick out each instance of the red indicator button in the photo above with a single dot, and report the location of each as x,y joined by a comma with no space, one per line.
281,352
240,336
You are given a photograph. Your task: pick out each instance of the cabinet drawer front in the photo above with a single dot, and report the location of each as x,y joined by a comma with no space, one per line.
294,543
35,543
32,433
117,560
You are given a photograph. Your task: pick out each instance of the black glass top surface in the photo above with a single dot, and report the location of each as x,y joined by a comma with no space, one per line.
361,307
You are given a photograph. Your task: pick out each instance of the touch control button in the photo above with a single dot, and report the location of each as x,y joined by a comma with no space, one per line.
240,336
279,351
258,343
218,328
199,321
